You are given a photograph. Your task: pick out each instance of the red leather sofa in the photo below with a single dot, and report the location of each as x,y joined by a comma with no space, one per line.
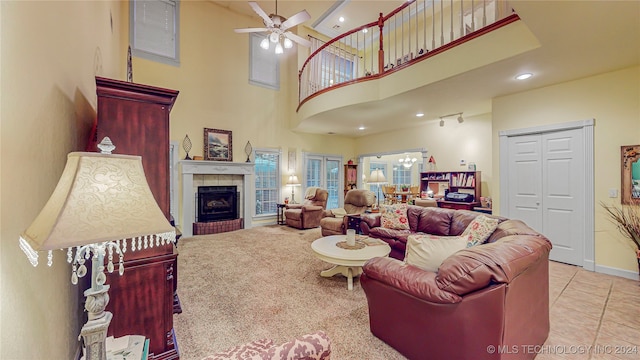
490,301
422,220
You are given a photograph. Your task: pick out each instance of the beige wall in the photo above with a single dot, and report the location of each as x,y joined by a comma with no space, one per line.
613,100
213,80
47,106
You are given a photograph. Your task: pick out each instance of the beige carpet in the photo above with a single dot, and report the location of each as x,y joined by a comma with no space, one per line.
265,283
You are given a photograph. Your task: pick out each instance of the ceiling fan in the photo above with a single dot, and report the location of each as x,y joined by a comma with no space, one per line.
277,26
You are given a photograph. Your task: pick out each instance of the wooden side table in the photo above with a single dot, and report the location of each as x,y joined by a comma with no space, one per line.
281,213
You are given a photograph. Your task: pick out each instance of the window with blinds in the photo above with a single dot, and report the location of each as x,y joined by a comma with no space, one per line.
267,166
154,30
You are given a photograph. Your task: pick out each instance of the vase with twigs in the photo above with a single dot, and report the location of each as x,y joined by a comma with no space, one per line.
627,220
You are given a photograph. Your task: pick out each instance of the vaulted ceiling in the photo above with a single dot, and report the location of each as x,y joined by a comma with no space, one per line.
577,39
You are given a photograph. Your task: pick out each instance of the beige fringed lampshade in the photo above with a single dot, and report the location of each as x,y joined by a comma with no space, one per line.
293,180
99,198
377,177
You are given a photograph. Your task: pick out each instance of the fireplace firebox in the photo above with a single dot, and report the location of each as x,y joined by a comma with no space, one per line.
216,203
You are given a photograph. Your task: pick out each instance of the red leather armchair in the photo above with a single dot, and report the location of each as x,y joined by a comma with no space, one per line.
308,214
489,301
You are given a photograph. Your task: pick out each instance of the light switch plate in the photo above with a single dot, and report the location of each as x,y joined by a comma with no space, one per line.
613,193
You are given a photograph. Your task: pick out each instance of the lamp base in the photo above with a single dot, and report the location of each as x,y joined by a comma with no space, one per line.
94,333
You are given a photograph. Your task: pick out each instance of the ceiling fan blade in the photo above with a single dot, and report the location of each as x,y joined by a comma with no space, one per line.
250,30
298,39
267,20
296,19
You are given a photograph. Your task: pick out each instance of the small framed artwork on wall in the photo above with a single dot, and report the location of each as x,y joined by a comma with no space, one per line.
217,145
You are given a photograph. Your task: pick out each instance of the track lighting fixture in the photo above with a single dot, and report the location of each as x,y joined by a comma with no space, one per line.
460,118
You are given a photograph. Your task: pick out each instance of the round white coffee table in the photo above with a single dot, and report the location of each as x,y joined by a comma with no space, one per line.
347,262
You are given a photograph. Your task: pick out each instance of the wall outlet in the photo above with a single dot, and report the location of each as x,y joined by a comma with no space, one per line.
613,193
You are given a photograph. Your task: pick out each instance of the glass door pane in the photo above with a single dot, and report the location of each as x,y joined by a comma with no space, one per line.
333,182
314,172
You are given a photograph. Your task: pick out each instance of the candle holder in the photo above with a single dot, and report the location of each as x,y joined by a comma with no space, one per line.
248,149
186,145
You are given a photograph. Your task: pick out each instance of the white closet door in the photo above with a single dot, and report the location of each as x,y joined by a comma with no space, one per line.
563,200
546,188
525,180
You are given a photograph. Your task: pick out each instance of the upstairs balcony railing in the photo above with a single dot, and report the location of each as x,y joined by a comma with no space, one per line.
416,30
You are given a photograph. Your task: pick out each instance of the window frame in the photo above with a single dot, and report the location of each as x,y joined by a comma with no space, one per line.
142,51
266,59
258,152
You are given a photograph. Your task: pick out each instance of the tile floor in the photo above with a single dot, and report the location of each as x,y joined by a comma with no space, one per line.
593,316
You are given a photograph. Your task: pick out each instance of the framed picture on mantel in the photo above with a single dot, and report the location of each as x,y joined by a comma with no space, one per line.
217,145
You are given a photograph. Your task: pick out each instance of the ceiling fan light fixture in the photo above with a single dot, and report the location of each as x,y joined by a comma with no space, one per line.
274,37
288,44
279,49
264,44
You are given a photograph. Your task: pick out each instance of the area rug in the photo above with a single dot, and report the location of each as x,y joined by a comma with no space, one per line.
265,282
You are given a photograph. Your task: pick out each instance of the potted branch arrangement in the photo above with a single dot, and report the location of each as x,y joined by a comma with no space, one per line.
627,220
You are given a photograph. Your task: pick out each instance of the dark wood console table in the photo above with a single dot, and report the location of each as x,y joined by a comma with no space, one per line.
457,205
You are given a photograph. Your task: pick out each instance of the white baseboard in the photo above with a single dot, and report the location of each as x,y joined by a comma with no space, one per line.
633,275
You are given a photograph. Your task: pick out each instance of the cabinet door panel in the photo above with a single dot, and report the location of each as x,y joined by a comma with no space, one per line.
134,299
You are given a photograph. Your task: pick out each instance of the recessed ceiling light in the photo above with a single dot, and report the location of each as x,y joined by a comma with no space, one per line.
341,19
420,114
361,128
524,76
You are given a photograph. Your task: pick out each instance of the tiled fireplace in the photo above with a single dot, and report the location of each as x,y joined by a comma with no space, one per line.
196,174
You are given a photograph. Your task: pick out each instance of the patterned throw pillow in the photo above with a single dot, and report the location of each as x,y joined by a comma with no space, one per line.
479,230
429,251
249,351
394,217
316,346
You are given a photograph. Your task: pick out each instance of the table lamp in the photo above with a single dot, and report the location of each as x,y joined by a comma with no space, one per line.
377,177
293,182
101,200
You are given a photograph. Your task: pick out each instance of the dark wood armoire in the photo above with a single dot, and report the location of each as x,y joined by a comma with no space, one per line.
136,119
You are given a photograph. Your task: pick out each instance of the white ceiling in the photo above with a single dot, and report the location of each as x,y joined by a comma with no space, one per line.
578,39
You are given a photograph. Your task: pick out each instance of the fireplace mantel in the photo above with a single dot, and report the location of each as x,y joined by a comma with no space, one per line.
189,168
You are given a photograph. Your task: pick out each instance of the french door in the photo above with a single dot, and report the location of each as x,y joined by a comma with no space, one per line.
324,171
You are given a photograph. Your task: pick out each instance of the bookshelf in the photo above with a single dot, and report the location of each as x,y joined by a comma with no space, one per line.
455,181
350,177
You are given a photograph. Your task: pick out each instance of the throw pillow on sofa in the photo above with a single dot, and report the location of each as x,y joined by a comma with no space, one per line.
479,230
394,217
429,251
